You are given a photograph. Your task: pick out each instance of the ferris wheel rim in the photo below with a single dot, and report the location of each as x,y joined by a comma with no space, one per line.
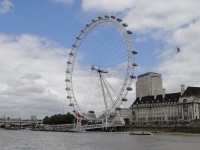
75,48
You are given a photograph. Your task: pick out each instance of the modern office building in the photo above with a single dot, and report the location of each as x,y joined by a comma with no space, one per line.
149,84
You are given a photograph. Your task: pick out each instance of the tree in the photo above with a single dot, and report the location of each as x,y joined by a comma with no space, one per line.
59,119
46,120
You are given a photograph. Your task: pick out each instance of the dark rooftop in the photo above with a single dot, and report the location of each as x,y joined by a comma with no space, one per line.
191,91
171,97
148,73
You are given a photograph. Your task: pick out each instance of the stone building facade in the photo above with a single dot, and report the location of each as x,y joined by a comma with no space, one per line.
167,109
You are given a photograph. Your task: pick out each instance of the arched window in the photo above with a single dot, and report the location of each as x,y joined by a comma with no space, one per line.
184,100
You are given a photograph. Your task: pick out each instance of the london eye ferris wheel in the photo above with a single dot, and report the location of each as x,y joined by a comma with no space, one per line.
100,68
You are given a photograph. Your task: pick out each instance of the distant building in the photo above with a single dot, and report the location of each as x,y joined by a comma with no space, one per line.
159,110
149,84
126,114
189,105
33,118
168,109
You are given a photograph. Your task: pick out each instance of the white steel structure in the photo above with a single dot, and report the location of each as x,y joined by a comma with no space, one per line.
100,70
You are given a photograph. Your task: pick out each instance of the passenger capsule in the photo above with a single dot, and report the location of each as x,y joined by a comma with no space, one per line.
125,25
118,108
134,64
132,77
91,112
78,38
113,17
71,104
129,32
93,20
100,18
69,62
67,71
87,25
129,88
124,99
119,20
107,17
134,52
82,31
71,54
69,97
67,88
67,80
74,45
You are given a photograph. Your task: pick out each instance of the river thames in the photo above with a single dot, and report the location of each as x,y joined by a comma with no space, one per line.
40,140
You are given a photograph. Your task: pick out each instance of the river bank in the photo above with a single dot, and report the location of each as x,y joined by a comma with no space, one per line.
165,130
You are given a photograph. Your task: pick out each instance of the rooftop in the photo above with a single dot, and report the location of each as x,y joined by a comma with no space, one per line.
149,73
170,97
191,91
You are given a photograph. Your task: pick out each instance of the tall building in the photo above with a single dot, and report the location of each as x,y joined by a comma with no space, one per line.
149,84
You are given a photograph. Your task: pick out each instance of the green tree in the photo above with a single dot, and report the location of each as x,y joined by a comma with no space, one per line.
59,119
46,120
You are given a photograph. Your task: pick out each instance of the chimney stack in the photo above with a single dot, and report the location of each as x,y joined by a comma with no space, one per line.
163,93
155,94
140,96
182,89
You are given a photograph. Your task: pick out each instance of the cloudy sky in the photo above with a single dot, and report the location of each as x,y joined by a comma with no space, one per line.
35,38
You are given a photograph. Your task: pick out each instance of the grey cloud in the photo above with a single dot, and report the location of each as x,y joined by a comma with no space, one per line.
30,76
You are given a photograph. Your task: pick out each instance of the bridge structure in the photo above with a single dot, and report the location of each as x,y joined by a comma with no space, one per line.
17,123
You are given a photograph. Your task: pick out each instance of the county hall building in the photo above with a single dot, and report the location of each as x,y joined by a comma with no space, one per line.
154,107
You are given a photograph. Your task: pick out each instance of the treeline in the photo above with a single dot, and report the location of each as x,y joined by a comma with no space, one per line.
59,119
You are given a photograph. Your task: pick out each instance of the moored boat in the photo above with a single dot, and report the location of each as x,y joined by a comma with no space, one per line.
141,133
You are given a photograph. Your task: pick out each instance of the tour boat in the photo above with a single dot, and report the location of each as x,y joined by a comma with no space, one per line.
141,133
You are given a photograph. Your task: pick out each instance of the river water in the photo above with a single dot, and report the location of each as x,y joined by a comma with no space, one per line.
40,140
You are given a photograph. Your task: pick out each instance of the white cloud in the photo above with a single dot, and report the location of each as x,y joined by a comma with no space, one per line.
162,16
32,76
5,6
182,68
172,22
144,16
106,6
66,2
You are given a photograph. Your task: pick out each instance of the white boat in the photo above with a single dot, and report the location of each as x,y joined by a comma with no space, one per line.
141,133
